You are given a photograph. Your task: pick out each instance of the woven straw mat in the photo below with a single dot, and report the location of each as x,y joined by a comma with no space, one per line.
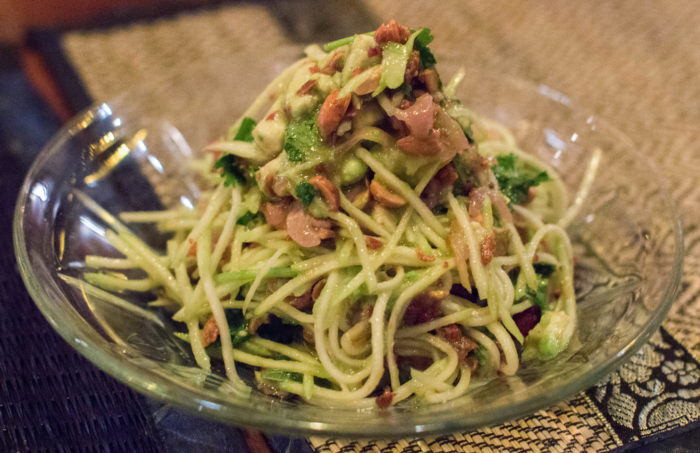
634,61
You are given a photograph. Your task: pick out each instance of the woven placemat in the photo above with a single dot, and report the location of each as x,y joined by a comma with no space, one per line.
51,398
636,62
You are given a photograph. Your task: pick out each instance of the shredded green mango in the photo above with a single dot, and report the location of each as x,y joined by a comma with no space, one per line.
394,60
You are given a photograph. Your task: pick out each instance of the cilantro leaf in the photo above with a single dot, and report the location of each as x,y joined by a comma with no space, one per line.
300,138
238,326
515,179
538,296
469,133
482,355
245,131
424,37
305,192
427,59
231,170
246,218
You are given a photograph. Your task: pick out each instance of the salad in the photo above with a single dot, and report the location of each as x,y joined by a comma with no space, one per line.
363,238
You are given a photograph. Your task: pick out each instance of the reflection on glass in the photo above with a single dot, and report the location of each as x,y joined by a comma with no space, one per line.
92,226
186,202
155,163
39,191
102,144
554,95
117,156
553,139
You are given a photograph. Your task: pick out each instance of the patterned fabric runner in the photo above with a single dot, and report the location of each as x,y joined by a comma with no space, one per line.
635,62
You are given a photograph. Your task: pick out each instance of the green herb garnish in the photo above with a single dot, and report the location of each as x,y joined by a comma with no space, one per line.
245,130
538,296
427,59
515,179
246,218
232,172
482,355
238,326
301,139
305,192
469,133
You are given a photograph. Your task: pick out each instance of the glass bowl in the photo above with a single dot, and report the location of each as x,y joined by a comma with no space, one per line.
627,238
